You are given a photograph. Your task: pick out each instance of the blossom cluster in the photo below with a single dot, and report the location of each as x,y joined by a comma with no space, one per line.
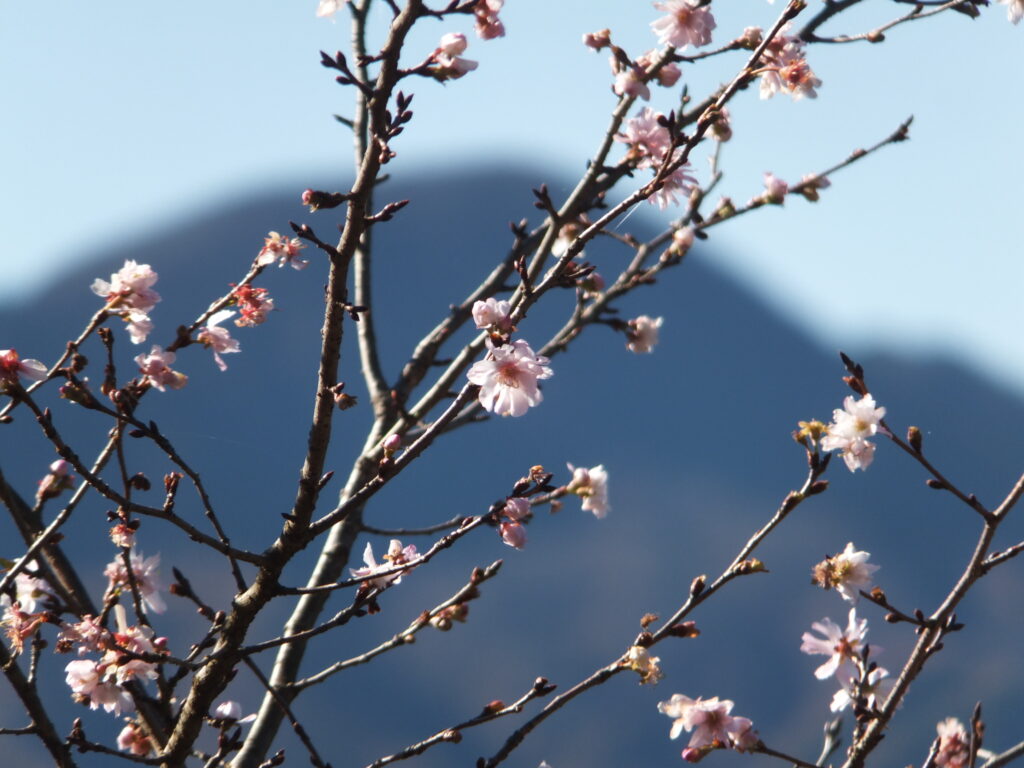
785,68
650,144
100,682
850,429
711,723
130,294
847,573
21,619
145,576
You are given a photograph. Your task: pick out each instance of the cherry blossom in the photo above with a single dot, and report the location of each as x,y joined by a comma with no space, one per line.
122,535
1014,10
640,661
647,138
848,573
488,25
218,339
131,287
629,82
281,249
88,635
676,184
841,646
508,378
687,23
453,44
156,369
669,73
133,739
396,555
877,688
811,183
592,486
517,508
851,428
328,8
954,744
30,590
452,67
253,305
56,481
86,678
598,40
12,368
709,720
786,70
492,314
643,334
775,189
513,534
19,625
146,579
231,712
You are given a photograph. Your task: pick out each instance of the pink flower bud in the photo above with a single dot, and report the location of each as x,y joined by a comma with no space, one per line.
692,755
598,40
392,443
516,509
513,534
453,44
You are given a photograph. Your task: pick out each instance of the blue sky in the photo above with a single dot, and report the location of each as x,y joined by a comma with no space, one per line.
121,117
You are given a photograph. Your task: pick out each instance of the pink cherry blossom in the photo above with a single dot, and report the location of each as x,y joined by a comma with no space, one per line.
147,579
19,625
591,485
218,339
133,739
687,23
281,249
513,534
598,40
328,8
56,481
1014,10
678,183
492,314
669,73
397,555
709,720
516,508
12,368
851,428
629,82
452,67
648,139
954,744
848,573
30,590
508,378
878,687
156,369
775,189
253,305
488,25
86,678
841,646
643,334
131,287
453,44
786,70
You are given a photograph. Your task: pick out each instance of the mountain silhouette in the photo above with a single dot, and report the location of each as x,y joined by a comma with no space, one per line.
696,438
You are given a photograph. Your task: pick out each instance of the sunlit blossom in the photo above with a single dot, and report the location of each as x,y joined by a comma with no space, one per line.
508,378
